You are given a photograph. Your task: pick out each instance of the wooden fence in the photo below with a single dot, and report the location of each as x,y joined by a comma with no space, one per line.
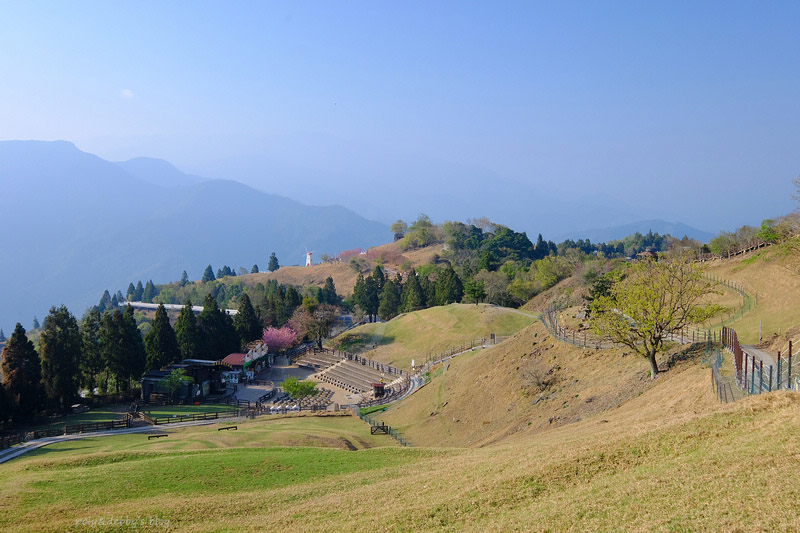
97,426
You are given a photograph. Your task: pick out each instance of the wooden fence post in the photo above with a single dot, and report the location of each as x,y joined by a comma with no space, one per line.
780,381
789,368
761,377
770,378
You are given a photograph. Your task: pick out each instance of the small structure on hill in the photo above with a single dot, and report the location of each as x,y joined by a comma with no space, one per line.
647,255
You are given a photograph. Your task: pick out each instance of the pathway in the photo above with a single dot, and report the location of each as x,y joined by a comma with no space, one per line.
759,355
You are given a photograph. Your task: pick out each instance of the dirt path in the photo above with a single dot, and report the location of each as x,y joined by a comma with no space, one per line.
760,355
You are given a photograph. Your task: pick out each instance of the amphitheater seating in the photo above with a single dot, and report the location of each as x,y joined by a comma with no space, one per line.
351,376
319,359
319,401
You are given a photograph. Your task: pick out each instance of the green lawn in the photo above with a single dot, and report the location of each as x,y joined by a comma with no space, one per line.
98,414
177,410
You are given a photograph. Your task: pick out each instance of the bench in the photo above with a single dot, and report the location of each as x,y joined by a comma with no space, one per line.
150,437
235,428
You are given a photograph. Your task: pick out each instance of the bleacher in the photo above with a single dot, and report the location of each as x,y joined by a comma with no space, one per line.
318,402
351,376
319,359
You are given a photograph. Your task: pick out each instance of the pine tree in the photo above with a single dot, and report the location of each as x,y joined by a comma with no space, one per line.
219,337
449,288
273,263
208,274
187,332
130,294
371,301
134,357
93,361
114,302
360,294
36,323
184,278
2,336
379,277
149,292
328,293
412,297
22,374
428,291
105,302
389,301
6,406
254,270
61,351
137,295
246,322
160,343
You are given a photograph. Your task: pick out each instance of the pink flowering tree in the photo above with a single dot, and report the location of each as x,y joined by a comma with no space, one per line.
279,340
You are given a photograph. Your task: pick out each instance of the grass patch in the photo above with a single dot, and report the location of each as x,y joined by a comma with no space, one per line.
177,410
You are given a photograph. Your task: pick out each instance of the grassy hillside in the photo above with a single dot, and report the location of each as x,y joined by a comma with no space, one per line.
772,275
430,331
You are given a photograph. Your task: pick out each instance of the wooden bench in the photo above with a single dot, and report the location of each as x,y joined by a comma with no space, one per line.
150,437
235,428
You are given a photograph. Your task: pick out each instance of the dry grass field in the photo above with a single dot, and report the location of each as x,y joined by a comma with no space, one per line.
344,276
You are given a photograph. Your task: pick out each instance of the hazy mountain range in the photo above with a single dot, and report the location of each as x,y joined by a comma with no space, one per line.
73,224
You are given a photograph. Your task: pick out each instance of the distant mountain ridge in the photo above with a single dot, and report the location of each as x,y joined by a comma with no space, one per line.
662,227
73,224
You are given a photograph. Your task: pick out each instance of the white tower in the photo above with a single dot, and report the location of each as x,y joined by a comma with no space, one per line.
308,258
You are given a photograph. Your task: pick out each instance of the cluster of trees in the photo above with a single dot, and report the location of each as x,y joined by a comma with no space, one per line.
771,231
631,245
378,296
71,355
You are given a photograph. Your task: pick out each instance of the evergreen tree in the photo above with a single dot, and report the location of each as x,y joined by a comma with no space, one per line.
273,263
184,279
149,292
328,293
93,361
254,270
105,302
187,332
449,288
428,291
219,337
2,336
36,323
114,302
130,294
120,297
360,294
160,343
133,355
6,406
379,277
137,295
60,348
110,342
371,301
389,301
22,374
247,325
208,274
412,297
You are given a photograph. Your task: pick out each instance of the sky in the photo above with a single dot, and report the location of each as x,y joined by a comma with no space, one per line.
686,111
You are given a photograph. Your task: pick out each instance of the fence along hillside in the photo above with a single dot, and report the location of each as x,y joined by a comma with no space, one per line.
751,375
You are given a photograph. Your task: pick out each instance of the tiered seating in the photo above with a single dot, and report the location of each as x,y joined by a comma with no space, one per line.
319,401
353,377
319,359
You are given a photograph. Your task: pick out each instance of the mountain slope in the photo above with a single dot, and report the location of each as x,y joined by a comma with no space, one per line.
74,224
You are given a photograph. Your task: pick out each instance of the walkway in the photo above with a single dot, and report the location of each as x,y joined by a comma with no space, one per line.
759,355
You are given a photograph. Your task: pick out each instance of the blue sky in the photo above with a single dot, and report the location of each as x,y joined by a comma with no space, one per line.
688,108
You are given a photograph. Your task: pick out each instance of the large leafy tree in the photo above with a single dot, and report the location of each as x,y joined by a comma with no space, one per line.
160,343
273,263
247,325
650,301
313,320
22,374
61,352
187,332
